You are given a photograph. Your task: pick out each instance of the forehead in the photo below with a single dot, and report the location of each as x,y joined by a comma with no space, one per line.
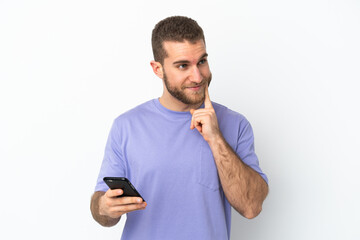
184,50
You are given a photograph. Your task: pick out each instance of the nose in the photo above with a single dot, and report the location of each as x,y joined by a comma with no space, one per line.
196,75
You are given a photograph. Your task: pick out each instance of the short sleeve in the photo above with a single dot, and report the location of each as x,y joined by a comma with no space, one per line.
245,148
113,164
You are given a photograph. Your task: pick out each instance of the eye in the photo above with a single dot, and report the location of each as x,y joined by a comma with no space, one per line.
202,61
182,66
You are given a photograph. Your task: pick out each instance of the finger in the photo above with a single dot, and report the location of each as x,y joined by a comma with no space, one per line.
197,113
114,192
201,118
202,110
129,208
201,115
129,200
199,127
197,123
207,102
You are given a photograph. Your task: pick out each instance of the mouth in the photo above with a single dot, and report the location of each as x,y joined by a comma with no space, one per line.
195,88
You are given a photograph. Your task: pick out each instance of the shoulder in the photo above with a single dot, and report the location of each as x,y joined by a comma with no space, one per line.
139,111
231,123
224,112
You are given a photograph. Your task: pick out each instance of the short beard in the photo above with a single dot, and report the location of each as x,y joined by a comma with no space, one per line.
180,95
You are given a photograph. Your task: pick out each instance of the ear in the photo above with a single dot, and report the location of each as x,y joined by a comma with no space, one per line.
157,68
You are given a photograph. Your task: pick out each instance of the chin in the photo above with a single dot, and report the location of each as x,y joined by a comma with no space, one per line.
195,101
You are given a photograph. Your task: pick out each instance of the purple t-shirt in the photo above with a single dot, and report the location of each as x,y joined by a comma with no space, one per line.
173,169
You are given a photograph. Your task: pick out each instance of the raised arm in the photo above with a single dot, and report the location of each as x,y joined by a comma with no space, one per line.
244,188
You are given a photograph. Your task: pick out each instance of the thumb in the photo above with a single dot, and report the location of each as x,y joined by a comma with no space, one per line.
114,192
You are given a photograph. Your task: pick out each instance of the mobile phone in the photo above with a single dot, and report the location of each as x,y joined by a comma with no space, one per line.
124,184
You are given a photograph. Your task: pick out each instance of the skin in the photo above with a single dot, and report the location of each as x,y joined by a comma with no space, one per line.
107,208
187,70
188,75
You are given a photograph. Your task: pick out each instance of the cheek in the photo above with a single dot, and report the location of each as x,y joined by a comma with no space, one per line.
205,72
175,80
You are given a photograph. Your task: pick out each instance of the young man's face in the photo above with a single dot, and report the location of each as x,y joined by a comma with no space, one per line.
186,71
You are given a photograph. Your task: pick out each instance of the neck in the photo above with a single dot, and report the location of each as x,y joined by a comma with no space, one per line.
174,104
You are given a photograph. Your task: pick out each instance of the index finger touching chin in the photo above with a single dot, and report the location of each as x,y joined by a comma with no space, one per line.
207,102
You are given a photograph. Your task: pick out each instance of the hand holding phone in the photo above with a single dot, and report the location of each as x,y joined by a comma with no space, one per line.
115,202
123,184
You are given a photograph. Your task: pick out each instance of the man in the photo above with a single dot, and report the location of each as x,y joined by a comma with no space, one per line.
190,158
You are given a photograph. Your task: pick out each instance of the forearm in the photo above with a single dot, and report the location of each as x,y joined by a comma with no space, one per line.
244,188
101,219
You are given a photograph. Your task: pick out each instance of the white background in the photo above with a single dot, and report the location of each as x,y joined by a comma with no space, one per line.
68,68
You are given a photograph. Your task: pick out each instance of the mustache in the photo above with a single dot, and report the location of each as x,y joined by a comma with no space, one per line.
203,82
195,85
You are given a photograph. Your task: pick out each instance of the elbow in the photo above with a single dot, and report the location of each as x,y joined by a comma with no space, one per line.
251,213
254,208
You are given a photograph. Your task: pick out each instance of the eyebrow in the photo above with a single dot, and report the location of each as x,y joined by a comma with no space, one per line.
186,61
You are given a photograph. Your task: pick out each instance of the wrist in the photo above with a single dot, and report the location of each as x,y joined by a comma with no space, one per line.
216,140
100,206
